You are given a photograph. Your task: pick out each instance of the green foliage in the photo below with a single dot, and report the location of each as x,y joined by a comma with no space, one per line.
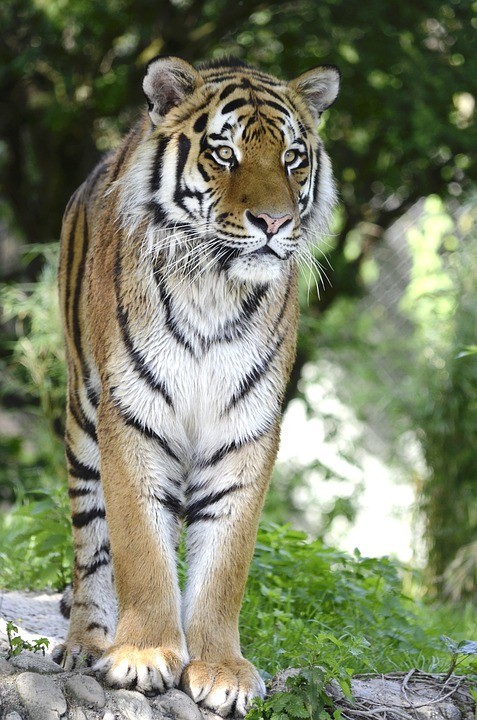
36,541
331,615
402,359
16,644
35,374
35,535
458,651
305,697
306,602
445,410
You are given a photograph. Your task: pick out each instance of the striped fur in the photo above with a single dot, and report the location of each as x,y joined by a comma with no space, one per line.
178,287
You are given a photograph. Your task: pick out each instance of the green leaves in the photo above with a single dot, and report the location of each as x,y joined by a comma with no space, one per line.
16,644
464,647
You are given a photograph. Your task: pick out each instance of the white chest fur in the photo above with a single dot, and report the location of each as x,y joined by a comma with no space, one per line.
205,362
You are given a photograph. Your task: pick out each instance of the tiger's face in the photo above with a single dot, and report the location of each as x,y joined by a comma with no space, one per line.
235,164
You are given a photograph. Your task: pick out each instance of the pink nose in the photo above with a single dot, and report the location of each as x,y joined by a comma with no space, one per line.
268,224
274,224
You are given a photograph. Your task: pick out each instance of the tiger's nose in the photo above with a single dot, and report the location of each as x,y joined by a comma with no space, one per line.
270,225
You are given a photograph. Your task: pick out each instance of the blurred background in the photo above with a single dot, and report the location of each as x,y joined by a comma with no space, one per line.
380,432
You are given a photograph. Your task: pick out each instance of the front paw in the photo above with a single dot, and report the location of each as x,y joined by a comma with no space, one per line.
225,688
149,670
73,655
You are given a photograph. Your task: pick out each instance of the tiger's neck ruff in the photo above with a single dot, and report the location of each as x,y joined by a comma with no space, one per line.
178,284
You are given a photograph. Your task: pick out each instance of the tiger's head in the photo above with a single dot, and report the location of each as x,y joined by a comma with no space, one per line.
231,165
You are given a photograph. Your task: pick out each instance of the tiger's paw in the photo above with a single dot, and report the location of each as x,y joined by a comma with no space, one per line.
149,670
73,655
225,688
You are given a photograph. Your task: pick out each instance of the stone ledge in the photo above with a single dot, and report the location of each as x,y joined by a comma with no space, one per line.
32,687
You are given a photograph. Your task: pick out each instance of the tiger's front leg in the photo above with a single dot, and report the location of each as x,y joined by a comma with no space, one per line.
225,501
140,474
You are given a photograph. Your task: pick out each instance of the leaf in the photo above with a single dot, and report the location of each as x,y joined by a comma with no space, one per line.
467,647
450,644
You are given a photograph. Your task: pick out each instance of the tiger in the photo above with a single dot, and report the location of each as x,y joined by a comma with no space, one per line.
178,281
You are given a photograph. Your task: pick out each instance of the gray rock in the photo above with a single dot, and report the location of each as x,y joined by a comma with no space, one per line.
6,668
77,713
35,662
85,690
132,705
42,699
13,716
178,705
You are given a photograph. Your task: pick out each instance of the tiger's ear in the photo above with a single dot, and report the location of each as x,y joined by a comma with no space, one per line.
168,81
318,87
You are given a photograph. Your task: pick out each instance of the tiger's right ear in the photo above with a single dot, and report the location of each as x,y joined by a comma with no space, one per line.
168,81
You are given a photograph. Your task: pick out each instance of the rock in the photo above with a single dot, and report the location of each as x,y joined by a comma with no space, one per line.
35,662
76,713
178,705
132,705
42,698
85,690
6,668
108,716
13,716
414,695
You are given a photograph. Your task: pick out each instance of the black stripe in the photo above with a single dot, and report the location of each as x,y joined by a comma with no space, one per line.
276,106
171,324
78,469
229,90
92,395
93,567
194,510
316,176
158,211
77,294
79,492
82,519
70,258
144,429
170,502
86,604
88,427
217,136
158,163
252,303
137,358
200,123
119,163
95,177
283,307
253,377
204,516
234,104
98,626
183,151
221,78
152,435
225,450
281,99
203,172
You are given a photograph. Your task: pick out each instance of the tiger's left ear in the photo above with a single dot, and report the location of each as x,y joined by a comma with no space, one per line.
318,87
167,83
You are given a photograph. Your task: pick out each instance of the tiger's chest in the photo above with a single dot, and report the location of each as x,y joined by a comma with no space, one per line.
203,367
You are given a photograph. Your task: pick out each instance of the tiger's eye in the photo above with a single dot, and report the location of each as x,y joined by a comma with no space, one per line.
224,152
290,156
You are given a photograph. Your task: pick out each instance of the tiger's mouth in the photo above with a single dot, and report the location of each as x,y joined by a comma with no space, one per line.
267,250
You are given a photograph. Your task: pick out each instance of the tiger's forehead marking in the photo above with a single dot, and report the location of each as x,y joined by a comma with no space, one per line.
244,108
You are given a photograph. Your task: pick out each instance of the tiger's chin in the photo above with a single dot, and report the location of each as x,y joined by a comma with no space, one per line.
258,270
